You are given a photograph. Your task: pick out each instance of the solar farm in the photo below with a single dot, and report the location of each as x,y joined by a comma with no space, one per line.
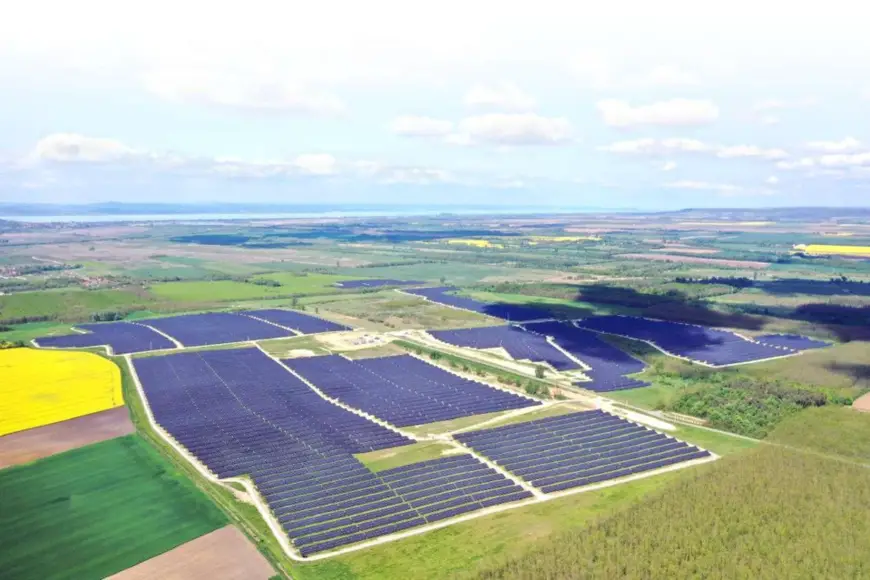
192,330
708,346
292,430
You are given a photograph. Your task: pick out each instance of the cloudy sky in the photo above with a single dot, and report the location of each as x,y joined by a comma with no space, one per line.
640,104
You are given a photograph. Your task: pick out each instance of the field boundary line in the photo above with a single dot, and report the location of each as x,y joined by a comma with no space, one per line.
174,341
256,499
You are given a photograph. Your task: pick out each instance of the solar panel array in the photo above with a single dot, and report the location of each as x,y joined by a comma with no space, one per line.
301,323
240,412
122,337
378,283
707,345
609,364
792,341
514,312
215,328
521,345
403,390
578,449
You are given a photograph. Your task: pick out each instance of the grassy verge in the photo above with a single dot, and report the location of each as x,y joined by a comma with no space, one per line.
405,455
482,370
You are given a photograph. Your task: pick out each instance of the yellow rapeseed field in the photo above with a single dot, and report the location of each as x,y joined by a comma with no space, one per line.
565,238
40,387
474,242
831,250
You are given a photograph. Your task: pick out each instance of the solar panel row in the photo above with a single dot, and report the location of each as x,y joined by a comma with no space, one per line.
521,345
707,345
403,390
240,412
122,337
578,449
515,312
301,323
792,341
609,364
215,328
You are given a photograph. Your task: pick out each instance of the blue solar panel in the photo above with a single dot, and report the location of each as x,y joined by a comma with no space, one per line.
792,341
698,343
576,449
521,345
122,337
402,389
513,312
301,323
215,328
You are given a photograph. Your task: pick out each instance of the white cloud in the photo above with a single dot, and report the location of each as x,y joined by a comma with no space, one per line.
249,91
72,147
649,146
843,146
414,126
750,151
769,120
592,68
316,163
415,175
503,97
781,104
675,112
804,162
845,160
772,180
669,166
704,186
669,75
514,129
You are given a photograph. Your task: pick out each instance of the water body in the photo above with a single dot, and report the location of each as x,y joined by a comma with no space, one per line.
402,212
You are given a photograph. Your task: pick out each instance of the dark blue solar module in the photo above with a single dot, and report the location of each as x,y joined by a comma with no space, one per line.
511,312
215,328
122,337
520,344
609,364
792,341
240,412
301,323
378,283
578,449
403,390
698,343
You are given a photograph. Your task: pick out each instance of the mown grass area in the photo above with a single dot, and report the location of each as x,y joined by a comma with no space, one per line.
769,513
452,424
841,431
384,459
293,283
215,291
29,331
283,347
718,443
389,310
97,510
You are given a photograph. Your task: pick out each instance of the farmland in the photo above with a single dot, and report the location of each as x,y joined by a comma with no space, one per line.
97,510
339,446
40,387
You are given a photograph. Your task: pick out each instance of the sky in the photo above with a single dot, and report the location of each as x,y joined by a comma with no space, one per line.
633,104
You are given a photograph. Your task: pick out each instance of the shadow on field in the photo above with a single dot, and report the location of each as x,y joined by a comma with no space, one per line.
858,372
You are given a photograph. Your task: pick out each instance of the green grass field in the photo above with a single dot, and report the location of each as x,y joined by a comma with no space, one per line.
215,291
405,455
840,431
307,284
97,510
68,304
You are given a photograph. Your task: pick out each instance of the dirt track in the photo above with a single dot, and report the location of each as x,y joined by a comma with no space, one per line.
33,444
225,554
862,403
